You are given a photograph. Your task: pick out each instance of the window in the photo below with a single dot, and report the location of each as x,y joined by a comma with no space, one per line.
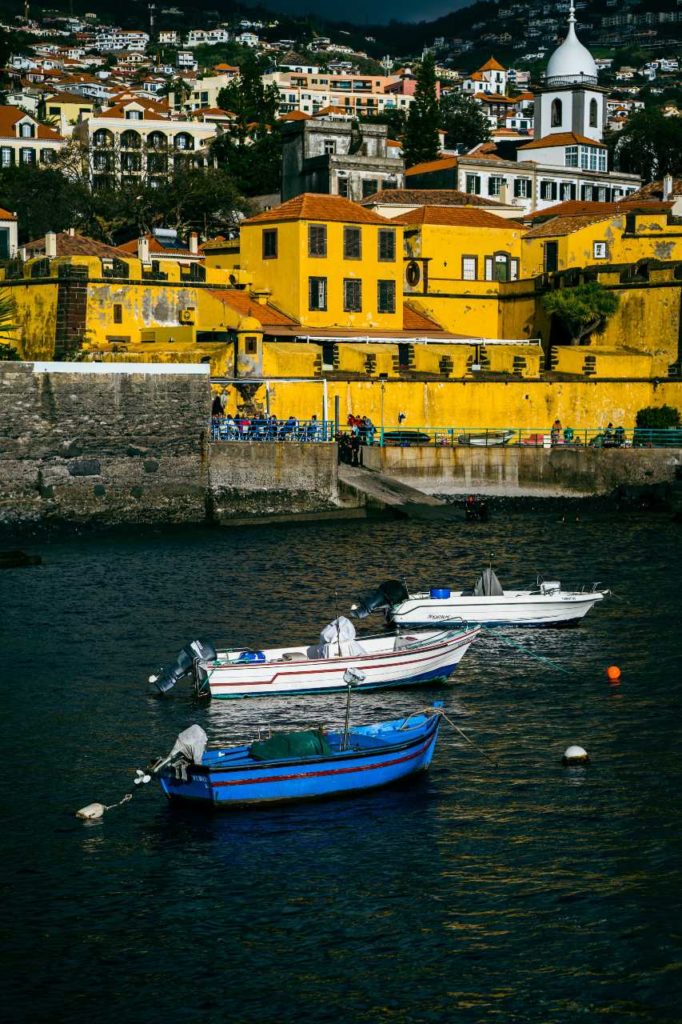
495,185
514,270
548,190
118,313
343,187
594,113
28,156
54,111
317,293
571,156
329,147
599,250
488,268
317,241
386,245
6,156
352,244
522,188
567,190
369,187
556,112
551,257
27,131
328,348
501,266
469,268
270,244
251,345
602,160
352,296
386,296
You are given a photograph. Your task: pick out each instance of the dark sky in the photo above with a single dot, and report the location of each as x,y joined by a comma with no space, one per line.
362,12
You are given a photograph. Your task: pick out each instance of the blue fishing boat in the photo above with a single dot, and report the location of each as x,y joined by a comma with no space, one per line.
300,765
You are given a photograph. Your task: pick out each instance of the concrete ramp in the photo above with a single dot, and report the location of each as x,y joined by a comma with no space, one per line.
383,492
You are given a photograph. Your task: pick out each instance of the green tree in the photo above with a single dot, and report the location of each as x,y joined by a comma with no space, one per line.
43,200
463,121
583,309
250,100
421,133
649,145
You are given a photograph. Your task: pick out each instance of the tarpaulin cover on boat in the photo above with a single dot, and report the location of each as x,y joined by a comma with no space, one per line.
336,639
308,743
191,744
488,585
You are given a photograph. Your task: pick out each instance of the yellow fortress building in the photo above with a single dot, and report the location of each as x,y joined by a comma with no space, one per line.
435,317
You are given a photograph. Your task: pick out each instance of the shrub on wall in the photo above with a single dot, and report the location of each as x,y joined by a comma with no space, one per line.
658,419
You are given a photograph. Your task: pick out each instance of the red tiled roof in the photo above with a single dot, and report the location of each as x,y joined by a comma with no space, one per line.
9,117
444,163
413,320
654,190
5,215
561,139
295,115
74,245
311,206
492,65
579,208
427,197
563,226
453,216
242,302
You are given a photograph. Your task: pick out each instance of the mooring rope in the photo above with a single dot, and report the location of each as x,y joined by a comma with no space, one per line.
524,650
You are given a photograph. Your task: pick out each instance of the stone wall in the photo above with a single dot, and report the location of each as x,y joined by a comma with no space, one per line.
91,442
272,480
553,472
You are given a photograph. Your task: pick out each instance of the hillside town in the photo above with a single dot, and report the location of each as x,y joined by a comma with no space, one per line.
447,239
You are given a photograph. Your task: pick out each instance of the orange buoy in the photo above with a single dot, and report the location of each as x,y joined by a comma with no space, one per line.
613,674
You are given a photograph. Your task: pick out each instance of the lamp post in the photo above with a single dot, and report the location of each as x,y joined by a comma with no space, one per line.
383,377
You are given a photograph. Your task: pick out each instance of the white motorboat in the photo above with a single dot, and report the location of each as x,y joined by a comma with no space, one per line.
373,663
548,604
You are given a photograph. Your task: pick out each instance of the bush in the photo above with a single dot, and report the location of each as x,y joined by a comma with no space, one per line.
8,353
658,419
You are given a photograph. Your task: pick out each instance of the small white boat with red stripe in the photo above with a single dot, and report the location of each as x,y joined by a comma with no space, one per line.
383,661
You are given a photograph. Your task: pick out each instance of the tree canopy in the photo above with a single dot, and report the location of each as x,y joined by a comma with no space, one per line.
421,133
463,121
583,309
650,145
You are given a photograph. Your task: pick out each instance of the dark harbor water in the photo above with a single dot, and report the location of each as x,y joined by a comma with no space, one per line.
524,893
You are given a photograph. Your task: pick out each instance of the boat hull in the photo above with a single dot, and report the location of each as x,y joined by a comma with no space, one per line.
520,609
424,661
405,752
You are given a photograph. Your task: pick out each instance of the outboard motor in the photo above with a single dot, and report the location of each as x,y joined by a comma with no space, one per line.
191,659
387,594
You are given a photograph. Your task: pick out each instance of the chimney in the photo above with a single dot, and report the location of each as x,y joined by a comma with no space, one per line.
50,244
71,232
194,243
667,186
143,249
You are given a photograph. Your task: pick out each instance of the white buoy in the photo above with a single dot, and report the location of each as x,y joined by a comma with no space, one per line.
575,755
91,812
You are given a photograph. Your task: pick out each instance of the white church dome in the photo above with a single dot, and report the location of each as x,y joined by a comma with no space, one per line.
571,62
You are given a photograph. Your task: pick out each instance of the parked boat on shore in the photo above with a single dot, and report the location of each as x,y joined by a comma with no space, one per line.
298,766
547,604
383,661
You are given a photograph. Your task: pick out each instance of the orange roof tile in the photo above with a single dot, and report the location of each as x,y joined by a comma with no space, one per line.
580,208
295,115
493,97
563,226
453,216
444,163
311,206
413,320
426,197
561,139
241,301
492,65
74,245
9,117
6,215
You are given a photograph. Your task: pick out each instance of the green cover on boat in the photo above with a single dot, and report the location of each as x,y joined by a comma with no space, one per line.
290,744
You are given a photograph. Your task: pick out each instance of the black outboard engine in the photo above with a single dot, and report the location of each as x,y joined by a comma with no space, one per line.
191,659
387,594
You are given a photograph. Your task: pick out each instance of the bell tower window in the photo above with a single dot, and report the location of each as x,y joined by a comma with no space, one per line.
594,113
556,113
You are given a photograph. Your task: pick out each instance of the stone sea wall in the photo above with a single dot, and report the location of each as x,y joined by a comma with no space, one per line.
90,442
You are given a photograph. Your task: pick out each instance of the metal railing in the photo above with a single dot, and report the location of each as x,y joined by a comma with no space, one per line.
225,428
529,437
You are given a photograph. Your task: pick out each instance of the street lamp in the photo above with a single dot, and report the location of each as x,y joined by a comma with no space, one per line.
383,377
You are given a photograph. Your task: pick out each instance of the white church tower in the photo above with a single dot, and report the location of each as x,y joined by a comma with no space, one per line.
570,109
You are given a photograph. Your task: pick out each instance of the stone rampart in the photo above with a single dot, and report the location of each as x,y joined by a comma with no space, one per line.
93,442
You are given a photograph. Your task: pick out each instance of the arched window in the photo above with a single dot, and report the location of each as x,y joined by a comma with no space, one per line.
131,140
556,113
157,140
103,137
183,140
594,114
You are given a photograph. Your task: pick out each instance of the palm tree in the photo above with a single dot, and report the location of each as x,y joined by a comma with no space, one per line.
7,327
